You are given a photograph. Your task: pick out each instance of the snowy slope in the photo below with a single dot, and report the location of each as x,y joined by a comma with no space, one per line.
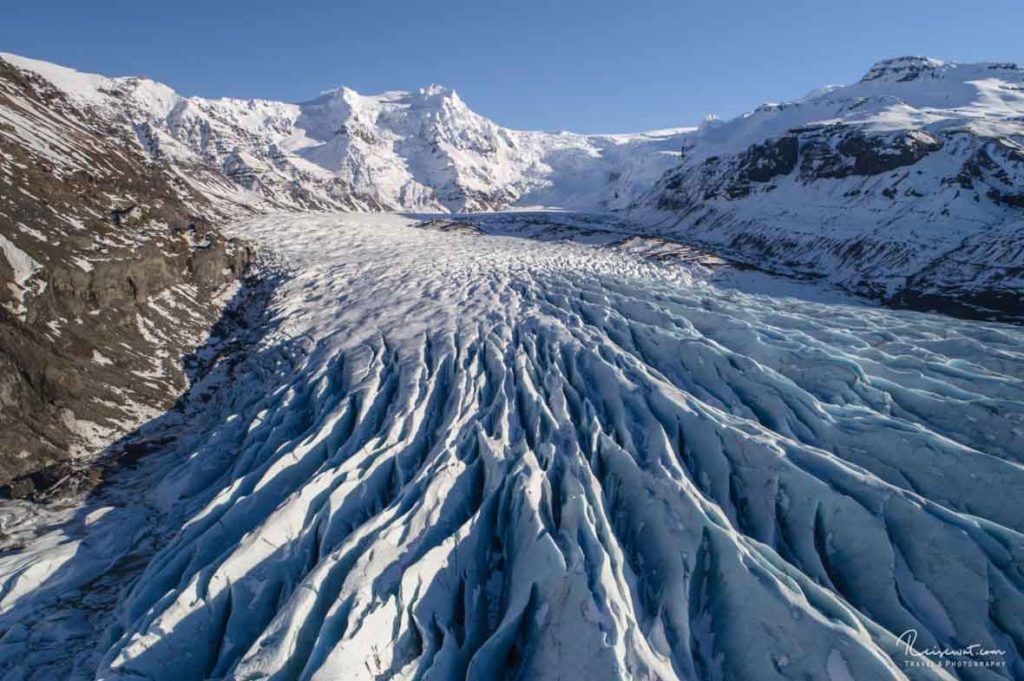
422,150
455,455
907,185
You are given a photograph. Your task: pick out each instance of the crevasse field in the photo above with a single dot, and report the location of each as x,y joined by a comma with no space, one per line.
455,455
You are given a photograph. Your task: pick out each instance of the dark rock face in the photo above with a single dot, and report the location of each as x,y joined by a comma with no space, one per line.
816,153
903,69
996,169
906,187
832,154
880,155
111,272
763,162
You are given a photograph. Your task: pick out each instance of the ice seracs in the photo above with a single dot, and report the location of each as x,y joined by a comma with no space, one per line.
458,455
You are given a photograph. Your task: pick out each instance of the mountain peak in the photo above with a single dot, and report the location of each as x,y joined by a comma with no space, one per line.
435,90
438,96
432,94
901,69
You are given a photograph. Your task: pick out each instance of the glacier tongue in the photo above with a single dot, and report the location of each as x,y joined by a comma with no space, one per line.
459,455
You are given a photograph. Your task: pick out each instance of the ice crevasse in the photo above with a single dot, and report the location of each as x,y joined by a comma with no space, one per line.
467,456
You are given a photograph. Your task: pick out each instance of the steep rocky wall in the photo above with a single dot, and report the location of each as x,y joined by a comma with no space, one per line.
111,271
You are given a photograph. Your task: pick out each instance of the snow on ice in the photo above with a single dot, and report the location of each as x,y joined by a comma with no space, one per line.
457,453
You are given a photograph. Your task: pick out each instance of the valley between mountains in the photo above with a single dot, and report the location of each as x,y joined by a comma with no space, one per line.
417,428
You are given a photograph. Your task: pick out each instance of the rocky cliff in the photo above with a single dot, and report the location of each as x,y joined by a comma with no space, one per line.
112,272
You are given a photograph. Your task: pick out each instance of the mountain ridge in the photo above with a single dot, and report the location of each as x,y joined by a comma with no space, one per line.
109,275
399,150
906,186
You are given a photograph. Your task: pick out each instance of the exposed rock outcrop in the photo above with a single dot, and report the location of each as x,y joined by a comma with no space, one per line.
111,272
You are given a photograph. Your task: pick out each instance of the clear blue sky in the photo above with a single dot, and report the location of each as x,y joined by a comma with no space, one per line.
600,66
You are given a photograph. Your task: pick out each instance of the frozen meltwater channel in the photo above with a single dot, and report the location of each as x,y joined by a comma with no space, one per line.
467,456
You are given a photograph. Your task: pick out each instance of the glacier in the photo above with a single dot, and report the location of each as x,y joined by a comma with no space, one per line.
528,446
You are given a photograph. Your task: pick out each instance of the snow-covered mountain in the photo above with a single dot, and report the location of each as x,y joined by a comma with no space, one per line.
907,185
530,445
422,150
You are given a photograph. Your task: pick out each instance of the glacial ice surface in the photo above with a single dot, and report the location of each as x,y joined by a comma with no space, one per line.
461,455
